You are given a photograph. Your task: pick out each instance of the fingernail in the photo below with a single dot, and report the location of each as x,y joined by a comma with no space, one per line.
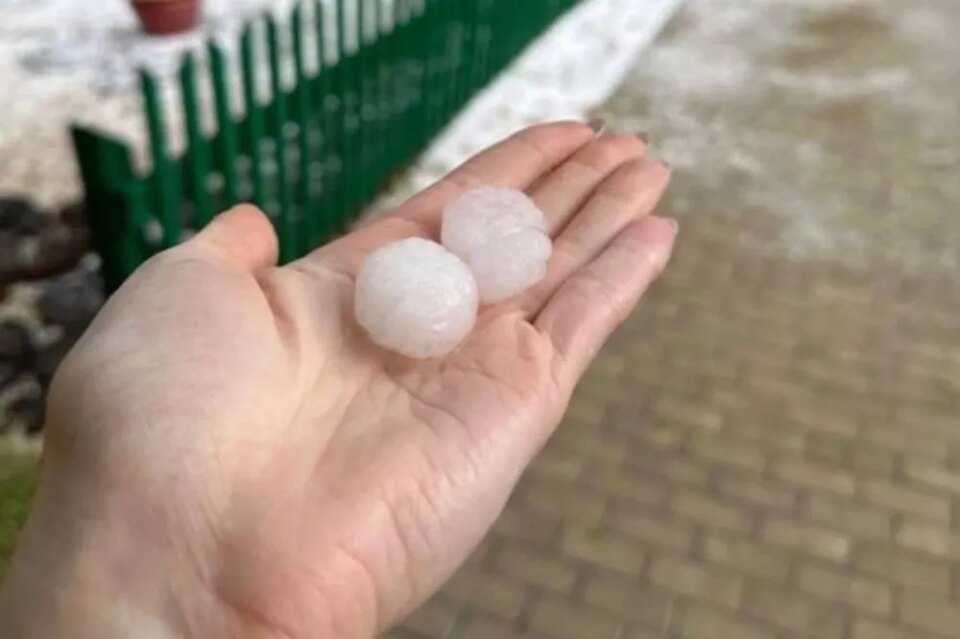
598,124
675,224
644,137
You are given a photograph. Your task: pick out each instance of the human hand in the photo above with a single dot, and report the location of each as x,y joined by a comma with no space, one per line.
228,455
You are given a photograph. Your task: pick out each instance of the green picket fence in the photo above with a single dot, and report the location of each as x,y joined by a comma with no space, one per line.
316,152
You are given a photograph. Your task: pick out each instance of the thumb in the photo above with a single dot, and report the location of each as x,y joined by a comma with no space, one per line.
242,236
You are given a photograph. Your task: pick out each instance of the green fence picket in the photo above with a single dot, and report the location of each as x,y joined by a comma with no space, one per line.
226,128
165,190
338,194
415,44
304,180
391,98
197,154
360,132
449,62
380,153
426,26
464,18
106,168
471,19
325,117
350,98
254,114
404,83
286,224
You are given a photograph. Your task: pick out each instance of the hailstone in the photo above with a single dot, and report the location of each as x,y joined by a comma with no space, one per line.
488,212
510,264
502,236
416,298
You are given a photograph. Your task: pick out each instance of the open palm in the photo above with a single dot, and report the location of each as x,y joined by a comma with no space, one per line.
227,420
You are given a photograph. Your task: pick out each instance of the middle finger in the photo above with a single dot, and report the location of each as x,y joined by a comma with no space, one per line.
564,191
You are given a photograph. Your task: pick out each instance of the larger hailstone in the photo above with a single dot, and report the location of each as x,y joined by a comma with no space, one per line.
416,298
502,236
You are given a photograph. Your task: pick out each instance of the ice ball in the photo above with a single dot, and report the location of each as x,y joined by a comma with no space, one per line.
502,236
415,298
487,213
506,266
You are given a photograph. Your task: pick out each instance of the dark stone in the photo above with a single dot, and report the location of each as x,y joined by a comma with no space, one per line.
48,359
8,373
30,408
9,257
15,343
20,217
55,249
16,351
71,300
74,214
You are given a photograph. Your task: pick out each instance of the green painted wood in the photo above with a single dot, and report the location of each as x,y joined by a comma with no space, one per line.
372,118
286,224
197,154
436,56
377,150
226,127
366,70
254,115
381,152
165,190
391,97
343,27
358,185
426,25
471,51
326,124
403,83
448,63
466,16
338,101
305,127
106,169
355,94
414,45
347,126
295,31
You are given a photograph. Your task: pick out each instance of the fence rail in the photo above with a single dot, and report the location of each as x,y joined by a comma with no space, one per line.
373,82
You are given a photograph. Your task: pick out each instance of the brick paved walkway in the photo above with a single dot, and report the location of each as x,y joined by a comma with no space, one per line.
771,447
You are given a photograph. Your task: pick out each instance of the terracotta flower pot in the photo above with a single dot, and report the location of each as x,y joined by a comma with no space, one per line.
163,17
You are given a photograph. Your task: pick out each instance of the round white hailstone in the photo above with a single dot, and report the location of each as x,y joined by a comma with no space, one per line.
416,298
487,213
506,266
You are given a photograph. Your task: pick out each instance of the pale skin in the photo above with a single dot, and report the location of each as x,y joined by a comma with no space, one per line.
228,455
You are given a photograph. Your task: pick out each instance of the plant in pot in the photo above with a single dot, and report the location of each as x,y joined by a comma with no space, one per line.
163,17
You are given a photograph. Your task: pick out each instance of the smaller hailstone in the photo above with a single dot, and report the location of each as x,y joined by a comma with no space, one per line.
415,298
502,236
508,265
478,216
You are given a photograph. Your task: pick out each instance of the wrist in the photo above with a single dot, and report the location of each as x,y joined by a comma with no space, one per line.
80,573
88,565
